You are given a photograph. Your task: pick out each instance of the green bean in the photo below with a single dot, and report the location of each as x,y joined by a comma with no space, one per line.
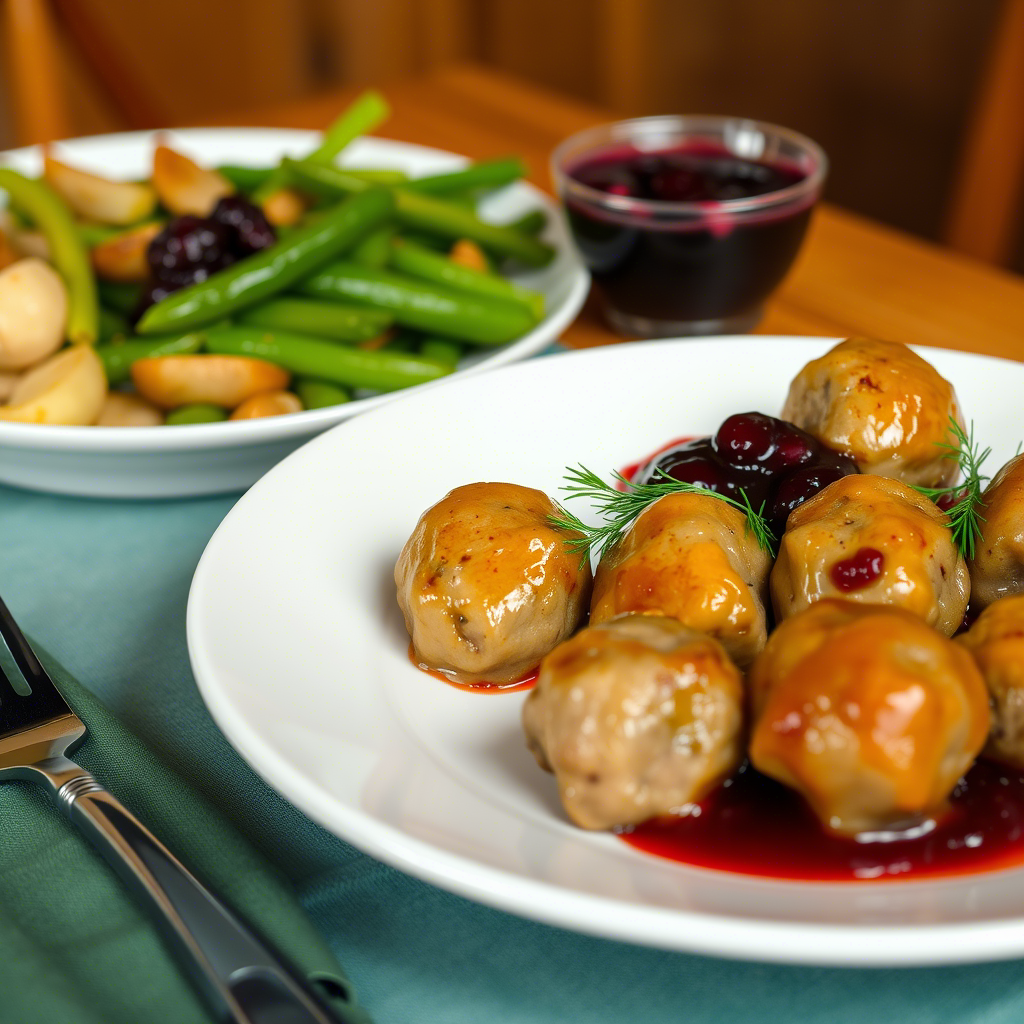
198,413
117,359
322,319
338,364
432,242
96,234
245,179
378,176
361,116
365,113
424,306
112,325
444,350
425,213
532,223
416,261
485,174
121,298
319,394
67,250
270,271
402,341
430,214
375,249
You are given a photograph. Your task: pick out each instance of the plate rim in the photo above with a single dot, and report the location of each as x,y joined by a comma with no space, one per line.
788,942
197,437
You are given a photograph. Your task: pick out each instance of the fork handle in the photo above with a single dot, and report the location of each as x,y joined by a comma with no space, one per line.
241,977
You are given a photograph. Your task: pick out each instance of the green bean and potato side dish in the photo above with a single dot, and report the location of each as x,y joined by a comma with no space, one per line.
206,294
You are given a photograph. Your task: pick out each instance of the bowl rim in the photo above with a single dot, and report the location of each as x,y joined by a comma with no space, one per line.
53,438
681,125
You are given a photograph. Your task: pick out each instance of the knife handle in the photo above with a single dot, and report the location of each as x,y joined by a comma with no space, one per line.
241,977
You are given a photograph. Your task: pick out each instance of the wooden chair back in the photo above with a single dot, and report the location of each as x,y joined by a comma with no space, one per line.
984,218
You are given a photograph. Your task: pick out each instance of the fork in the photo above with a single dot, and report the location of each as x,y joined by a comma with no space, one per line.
238,973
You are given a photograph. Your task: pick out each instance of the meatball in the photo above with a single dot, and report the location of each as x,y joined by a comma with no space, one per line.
637,717
997,569
881,403
996,641
876,541
486,584
690,557
867,712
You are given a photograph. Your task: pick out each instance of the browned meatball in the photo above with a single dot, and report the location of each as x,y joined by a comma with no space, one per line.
996,641
637,717
867,712
997,569
882,404
876,541
690,557
486,584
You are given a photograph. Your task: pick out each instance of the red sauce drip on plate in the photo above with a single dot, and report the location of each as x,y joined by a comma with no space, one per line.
752,825
525,682
630,471
860,570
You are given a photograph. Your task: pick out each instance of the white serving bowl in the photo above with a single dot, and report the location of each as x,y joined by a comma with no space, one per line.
212,458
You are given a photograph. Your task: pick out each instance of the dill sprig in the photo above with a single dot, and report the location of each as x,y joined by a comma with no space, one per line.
620,507
965,516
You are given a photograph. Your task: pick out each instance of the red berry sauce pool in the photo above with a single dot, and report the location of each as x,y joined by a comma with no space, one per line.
712,265
768,459
753,825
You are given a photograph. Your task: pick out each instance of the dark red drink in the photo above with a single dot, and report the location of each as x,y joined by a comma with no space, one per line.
691,236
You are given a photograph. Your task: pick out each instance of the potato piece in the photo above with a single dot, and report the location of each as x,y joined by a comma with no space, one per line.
270,403
69,388
284,207
33,312
8,382
121,410
185,187
96,198
124,258
227,381
468,254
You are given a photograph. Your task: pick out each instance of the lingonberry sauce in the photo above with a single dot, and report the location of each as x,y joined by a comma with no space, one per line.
753,825
768,459
860,570
710,263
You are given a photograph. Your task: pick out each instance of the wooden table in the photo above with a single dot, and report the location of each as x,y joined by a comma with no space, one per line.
854,276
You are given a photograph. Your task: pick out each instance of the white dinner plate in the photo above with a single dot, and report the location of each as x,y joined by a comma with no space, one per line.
300,652
145,462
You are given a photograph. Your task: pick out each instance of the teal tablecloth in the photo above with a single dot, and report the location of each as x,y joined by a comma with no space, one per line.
103,586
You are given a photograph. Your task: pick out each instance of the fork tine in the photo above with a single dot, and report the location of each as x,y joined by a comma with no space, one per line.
23,654
18,711
7,690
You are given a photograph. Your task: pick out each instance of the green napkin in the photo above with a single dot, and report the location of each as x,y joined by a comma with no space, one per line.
74,947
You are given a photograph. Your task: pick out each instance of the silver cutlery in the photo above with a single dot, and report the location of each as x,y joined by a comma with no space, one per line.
241,977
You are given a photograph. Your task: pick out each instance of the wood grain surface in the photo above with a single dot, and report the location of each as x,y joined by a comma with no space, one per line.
853,276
